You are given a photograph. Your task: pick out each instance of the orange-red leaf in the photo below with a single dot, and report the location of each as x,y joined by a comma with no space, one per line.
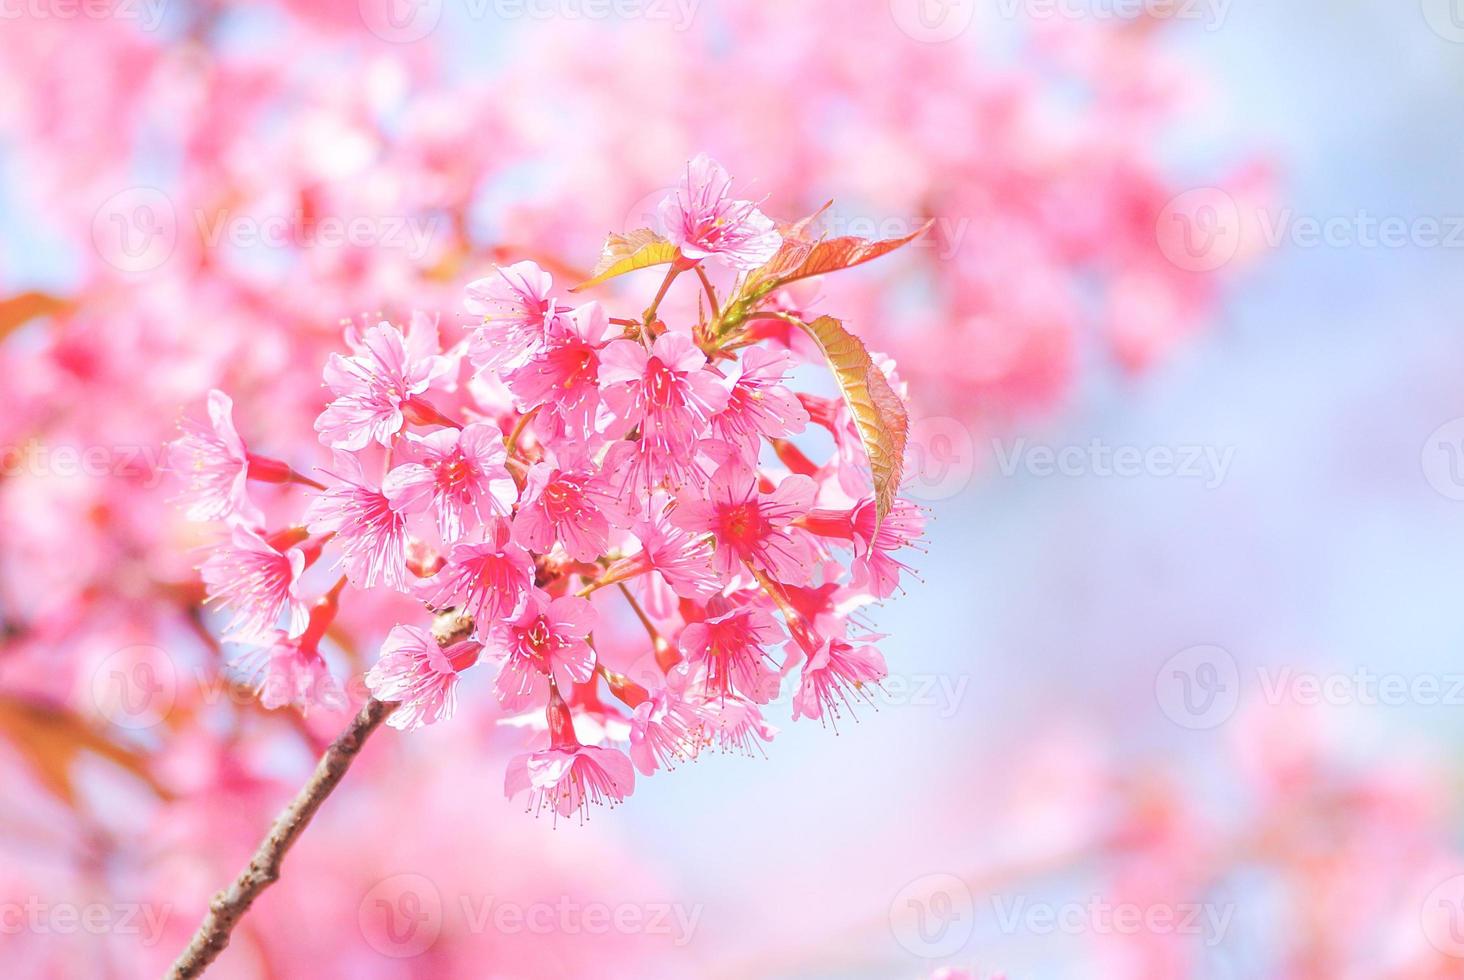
801,258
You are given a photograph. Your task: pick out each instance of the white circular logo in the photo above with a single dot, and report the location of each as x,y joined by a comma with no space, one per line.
135,230
933,21
401,916
645,211
1443,459
1442,917
933,916
135,687
400,21
1445,18
940,459
1198,688
1200,230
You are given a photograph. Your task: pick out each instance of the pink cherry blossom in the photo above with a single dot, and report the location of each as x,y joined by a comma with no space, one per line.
759,406
258,582
665,730
287,671
419,674
705,221
562,380
490,580
573,507
546,641
516,307
459,474
671,559
570,780
738,726
663,390
747,525
875,566
374,386
370,530
835,675
731,650
213,460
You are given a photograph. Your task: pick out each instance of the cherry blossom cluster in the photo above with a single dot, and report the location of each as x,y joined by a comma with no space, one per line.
514,478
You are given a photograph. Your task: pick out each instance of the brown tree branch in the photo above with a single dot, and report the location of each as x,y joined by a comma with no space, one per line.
229,905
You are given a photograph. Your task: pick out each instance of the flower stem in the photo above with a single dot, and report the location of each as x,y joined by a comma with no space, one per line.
711,293
228,907
677,268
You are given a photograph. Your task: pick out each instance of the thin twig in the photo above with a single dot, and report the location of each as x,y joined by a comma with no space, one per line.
229,905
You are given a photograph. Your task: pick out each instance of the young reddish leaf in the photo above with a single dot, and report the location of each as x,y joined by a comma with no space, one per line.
801,258
639,249
878,412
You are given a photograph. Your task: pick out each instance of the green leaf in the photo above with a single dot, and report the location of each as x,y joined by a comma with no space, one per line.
879,414
634,250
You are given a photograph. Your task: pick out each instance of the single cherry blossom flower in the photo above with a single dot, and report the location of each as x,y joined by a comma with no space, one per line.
737,726
489,581
705,221
417,672
548,640
259,582
456,473
665,390
516,307
370,530
562,380
731,651
665,730
569,777
747,525
574,507
836,674
874,567
287,671
213,460
759,406
374,387
671,558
